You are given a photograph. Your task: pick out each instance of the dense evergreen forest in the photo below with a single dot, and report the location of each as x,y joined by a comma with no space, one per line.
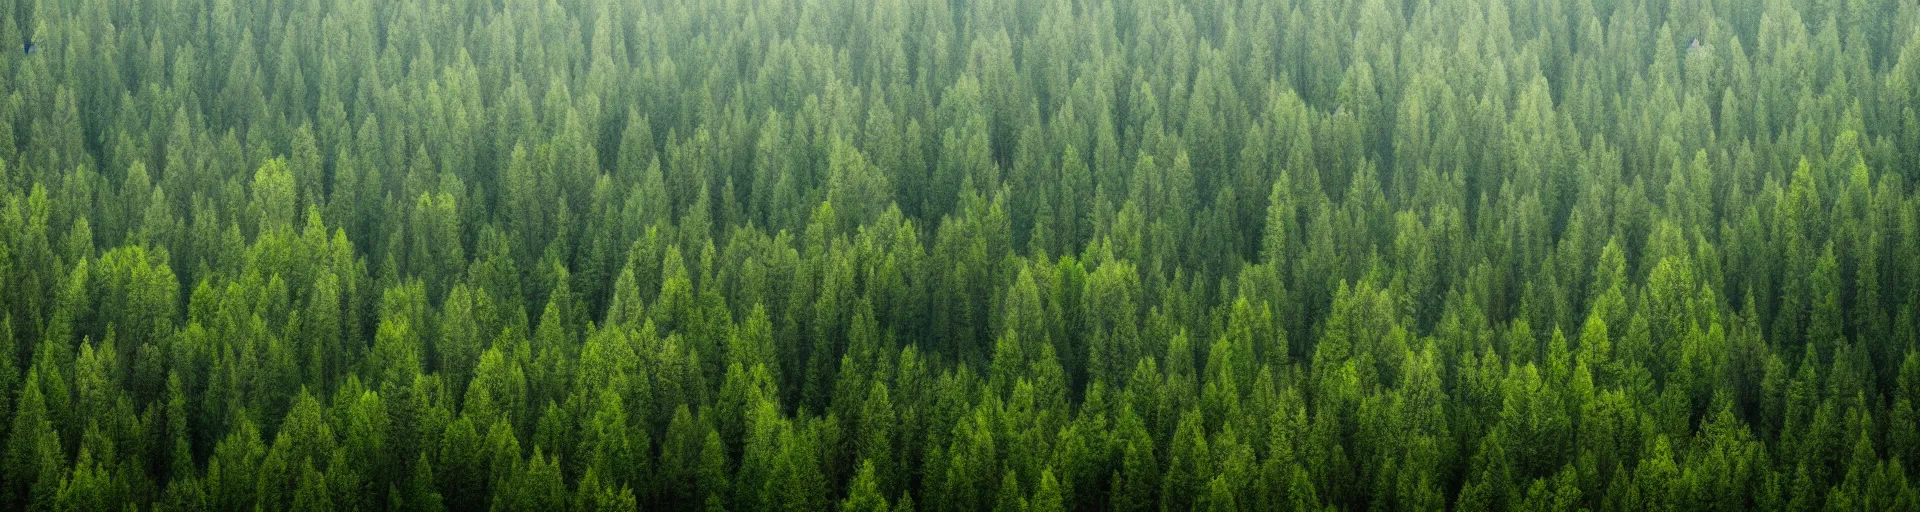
960,255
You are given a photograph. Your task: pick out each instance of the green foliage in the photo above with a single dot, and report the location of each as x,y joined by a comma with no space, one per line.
1033,255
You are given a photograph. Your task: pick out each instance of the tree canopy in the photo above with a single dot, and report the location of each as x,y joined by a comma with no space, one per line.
1038,255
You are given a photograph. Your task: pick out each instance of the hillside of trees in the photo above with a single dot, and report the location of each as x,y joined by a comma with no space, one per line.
1010,255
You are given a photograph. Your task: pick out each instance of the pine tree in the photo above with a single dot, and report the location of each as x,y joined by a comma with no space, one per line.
34,453
863,495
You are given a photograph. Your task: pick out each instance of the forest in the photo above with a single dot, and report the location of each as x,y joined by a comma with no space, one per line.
1009,255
